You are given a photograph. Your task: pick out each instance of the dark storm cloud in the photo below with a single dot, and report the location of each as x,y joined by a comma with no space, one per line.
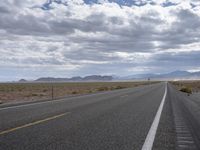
4,10
176,61
78,55
187,25
190,58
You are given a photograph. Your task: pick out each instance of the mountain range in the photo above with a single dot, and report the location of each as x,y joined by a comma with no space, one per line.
75,79
175,75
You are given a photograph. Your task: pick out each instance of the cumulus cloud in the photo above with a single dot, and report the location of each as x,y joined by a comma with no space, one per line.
76,37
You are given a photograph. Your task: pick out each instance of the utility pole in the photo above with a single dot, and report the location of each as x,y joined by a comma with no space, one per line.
149,80
52,90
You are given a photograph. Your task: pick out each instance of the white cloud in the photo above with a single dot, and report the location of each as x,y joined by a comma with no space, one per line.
77,36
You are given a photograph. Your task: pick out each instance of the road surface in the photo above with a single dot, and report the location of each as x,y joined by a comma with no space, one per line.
154,117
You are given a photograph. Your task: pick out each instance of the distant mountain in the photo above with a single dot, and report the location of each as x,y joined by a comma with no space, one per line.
196,73
97,78
179,75
137,76
51,79
175,75
22,80
87,78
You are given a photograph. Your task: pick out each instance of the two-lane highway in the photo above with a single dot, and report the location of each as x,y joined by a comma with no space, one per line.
128,119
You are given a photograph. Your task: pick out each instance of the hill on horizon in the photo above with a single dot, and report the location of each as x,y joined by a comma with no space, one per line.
175,75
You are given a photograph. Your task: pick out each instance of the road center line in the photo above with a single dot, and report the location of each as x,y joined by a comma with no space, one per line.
148,144
33,123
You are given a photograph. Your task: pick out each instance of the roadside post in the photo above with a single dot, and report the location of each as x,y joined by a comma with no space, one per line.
149,80
52,92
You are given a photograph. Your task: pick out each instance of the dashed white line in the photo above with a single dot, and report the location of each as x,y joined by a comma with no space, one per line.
148,144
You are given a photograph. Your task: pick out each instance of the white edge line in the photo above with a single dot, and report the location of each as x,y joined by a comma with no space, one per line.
148,144
23,105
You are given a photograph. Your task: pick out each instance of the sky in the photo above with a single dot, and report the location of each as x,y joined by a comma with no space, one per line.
65,38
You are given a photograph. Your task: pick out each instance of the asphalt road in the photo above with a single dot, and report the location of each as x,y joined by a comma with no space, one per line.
149,117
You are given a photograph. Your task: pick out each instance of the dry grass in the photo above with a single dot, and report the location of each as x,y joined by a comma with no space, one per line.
10,92
194,85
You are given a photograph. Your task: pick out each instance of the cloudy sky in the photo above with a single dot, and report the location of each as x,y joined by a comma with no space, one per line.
64,38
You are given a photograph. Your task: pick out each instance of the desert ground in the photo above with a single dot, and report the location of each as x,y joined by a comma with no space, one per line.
193,85
14,92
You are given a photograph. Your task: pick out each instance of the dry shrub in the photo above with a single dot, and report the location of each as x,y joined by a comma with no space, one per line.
186,90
